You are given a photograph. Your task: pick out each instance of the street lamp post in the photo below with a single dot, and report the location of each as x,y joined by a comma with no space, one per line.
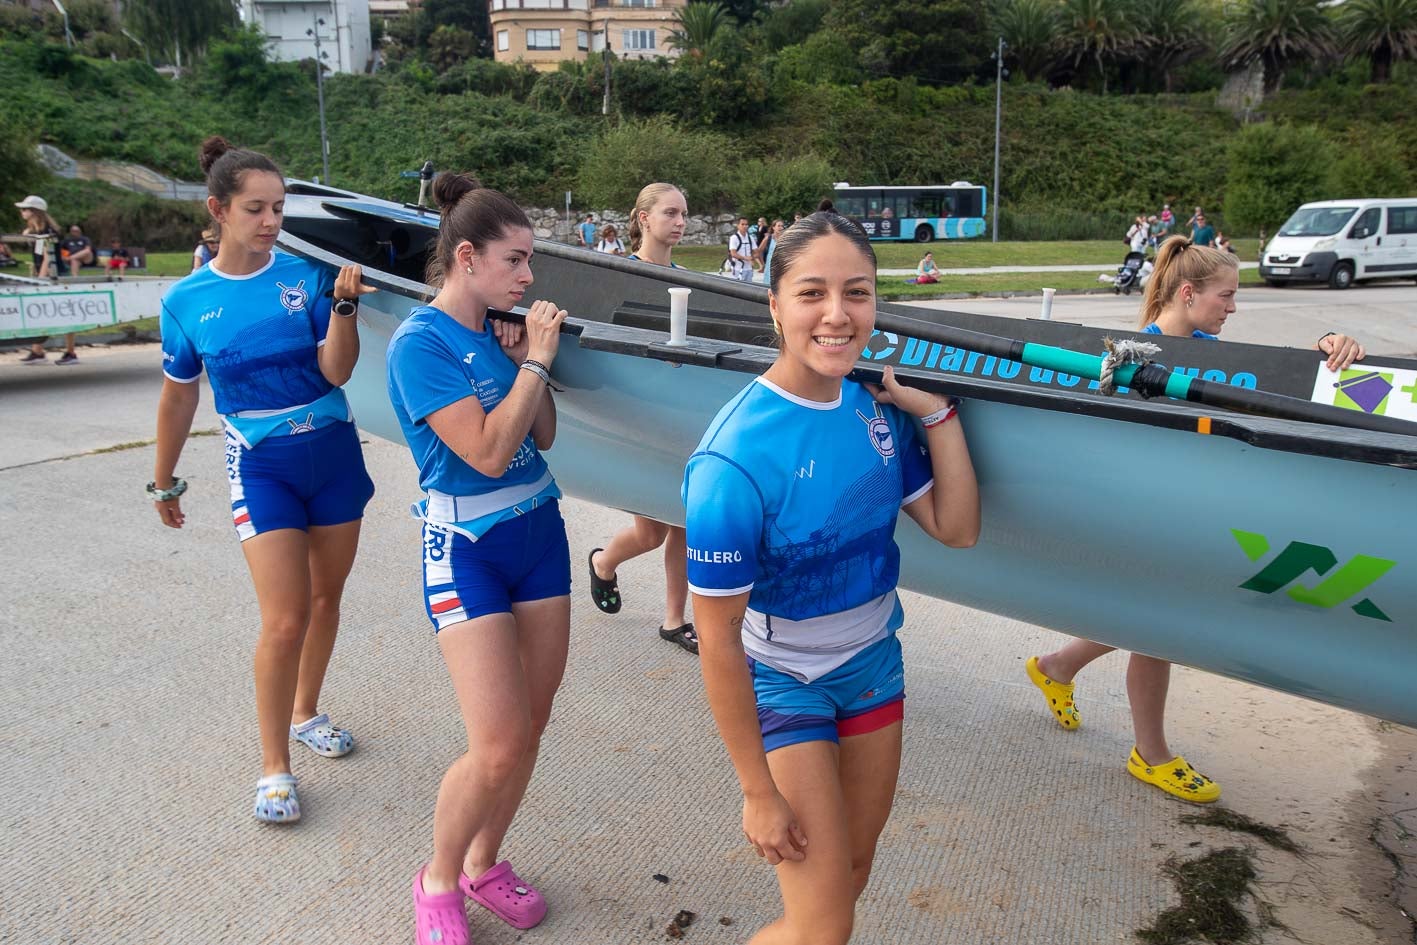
605,102
68,36
999,74
320,94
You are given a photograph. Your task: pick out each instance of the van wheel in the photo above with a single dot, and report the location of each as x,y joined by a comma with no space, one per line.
923,233
1275,283
1341,277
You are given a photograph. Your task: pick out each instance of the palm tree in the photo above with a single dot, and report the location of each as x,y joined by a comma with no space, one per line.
1383,30
1171,33
1096,30
1028,27
177,26
696,25
1277,33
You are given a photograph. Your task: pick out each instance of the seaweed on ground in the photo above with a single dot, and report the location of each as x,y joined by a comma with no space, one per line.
1227,819
1211,888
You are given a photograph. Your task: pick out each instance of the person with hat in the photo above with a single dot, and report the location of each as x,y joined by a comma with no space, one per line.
41,228
206,250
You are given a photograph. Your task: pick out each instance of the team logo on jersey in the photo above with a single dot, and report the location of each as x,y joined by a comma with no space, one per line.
305,426
878,431
293,297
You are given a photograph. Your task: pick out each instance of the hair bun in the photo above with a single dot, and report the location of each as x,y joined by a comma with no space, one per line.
212,149
450,187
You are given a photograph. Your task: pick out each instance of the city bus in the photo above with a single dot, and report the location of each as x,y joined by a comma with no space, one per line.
922,214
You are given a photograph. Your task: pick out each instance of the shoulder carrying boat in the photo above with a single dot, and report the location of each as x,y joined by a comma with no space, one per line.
1279,552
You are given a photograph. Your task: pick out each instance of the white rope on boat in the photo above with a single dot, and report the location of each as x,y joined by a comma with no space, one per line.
1119,354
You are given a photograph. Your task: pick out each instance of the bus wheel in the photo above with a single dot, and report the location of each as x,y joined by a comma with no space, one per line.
923,233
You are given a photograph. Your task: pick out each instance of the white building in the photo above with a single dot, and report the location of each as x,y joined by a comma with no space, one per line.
344,39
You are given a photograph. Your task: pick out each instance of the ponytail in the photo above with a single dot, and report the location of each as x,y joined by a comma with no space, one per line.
645,203
1178,261
470,213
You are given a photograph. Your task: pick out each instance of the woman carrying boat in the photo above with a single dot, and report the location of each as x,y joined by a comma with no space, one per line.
472,397
1191,293
792,498
656,227
259,323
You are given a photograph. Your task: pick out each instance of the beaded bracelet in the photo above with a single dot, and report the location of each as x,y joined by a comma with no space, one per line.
178,487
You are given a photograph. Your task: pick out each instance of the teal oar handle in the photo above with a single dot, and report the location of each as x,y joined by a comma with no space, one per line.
1151,380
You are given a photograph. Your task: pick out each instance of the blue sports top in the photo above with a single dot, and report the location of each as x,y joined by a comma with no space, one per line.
1155,329
261,357
796,501
434,360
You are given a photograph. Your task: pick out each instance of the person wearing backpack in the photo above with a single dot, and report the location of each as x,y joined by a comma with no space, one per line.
740,252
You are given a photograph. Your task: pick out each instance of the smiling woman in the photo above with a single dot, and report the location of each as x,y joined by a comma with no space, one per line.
792,499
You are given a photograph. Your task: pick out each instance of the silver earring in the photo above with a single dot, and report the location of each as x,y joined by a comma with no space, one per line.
469,270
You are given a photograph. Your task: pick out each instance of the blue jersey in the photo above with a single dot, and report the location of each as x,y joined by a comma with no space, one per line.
258,338
796,502
1155,329
434,361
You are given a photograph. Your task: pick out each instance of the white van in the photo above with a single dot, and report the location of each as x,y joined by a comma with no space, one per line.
1339,241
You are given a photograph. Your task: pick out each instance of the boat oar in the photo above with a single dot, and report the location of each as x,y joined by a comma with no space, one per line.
1150,380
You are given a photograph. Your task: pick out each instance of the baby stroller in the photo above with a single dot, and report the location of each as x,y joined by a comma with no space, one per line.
1129,274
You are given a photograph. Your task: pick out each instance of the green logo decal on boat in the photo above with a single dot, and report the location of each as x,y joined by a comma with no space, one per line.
1299,557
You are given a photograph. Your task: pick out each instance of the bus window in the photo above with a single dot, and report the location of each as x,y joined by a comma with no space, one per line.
967,203
925,205
850,205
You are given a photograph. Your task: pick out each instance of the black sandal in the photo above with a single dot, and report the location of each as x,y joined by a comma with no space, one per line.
683,636
606,594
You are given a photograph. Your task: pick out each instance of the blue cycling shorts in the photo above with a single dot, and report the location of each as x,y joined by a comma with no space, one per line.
862,695
309,479
519,559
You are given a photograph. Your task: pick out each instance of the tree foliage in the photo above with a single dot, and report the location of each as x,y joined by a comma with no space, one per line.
1278,33
936,41
1274,168
1383,30
626,157
1028,27
174,29
696,26
1096,33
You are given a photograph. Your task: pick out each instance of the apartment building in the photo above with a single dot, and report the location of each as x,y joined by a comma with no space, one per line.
344,37
545,32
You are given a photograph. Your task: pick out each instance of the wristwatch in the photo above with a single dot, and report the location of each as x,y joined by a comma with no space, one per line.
346,308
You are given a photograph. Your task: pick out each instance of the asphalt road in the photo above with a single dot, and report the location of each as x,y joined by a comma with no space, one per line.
129,745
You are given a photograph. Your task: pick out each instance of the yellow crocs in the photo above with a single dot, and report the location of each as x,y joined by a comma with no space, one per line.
1176,778
1059,696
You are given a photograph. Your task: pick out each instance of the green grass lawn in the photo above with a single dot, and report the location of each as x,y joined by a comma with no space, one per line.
971,254
895,287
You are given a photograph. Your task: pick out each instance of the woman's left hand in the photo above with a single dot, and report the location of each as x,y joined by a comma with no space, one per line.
916,402
349,284
1341,350
512,337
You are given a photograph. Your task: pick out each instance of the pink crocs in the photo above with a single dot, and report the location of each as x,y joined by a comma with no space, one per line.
439,918
506,895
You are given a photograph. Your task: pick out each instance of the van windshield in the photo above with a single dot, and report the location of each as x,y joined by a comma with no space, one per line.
1317,221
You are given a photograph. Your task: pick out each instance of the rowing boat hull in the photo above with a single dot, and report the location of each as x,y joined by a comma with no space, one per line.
1204,550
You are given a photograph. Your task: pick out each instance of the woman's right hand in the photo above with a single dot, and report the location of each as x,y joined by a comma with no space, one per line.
771,827
170,512
543,329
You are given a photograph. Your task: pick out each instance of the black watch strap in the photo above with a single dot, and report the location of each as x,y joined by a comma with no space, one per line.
346,307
